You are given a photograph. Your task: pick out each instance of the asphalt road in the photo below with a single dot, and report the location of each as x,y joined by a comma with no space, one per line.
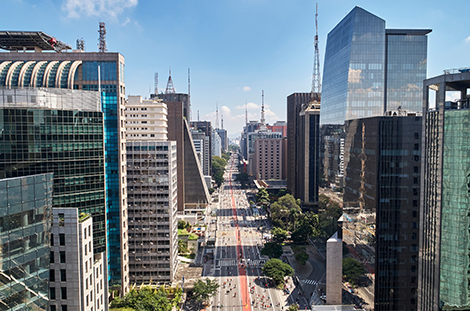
237,262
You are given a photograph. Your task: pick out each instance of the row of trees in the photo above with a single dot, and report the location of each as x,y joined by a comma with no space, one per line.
149,299
218,169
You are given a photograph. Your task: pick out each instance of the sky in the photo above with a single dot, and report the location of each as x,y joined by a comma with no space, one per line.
234,48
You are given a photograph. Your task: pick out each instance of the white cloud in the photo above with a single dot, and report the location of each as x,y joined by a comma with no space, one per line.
248,106
246,89
126,22
467,40
105,8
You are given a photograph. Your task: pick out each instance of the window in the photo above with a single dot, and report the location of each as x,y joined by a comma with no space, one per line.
61,239
63,293
61,220
51,257
52,308
52,241
52,275
64,307
62,257
63,275
52,293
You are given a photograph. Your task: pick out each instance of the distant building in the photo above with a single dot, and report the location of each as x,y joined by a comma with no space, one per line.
152,192
202,144
77,280
268,158
192,189
444,235
223,138
216,144
25,223
278,126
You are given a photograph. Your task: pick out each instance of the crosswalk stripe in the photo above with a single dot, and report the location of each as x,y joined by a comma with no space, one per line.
311,282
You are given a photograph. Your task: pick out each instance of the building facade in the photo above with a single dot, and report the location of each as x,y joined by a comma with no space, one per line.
152,193
223,138
444,235
79,71
268,158
383,179
77,278
303,146
25,222
216,144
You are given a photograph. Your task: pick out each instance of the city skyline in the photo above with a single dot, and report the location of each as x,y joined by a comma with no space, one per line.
234,49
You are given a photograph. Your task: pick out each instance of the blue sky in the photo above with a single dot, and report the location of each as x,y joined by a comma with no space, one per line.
235,49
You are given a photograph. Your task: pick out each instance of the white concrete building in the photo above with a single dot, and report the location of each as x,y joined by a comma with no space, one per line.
152,193
216,144
77,280
202,145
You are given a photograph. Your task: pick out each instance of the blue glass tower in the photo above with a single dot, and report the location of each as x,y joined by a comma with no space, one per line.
369,69
80,71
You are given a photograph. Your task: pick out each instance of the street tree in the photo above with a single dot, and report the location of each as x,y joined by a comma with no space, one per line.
146,299
205,289
279,235
294,307
271,249
352,269
277,270
262,196
306,228
302,257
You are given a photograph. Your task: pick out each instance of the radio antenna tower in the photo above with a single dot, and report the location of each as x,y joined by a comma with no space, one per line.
170,89
217,115
156,83
246,111
263,121
102,40
80,44
316,84
222,120
189,94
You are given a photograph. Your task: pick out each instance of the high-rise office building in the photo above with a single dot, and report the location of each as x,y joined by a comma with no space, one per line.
77,279
192,189
278,126
202,144
78,70
303,143
383,179
223,138
368,70
268,159
25,222
216,145
444,236
152,193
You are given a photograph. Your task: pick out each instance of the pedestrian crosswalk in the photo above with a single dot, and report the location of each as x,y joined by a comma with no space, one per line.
311,282
225,263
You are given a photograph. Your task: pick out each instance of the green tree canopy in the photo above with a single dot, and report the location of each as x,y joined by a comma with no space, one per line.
272,250
277,270
262,196
147,299
218,168
329,216
302,257
307,227
352,269
279,235
205,289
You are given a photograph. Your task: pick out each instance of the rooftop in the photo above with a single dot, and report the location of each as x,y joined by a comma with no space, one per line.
30,41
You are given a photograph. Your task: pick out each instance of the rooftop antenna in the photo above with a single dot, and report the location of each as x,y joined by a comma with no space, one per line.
198,115
246,111
156,83
189,92
169,86
102,40
222,120
217,115
316,84
80,44
263,121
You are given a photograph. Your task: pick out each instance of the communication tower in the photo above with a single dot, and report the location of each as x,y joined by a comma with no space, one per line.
102,40
316,84
170,89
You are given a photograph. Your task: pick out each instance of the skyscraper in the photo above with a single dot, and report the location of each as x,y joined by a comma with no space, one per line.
382,179
79,71
303,143
25,223
444,236
368,70
152,193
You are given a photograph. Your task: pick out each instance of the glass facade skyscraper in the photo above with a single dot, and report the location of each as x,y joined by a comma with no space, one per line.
25,224
369,69
79,71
